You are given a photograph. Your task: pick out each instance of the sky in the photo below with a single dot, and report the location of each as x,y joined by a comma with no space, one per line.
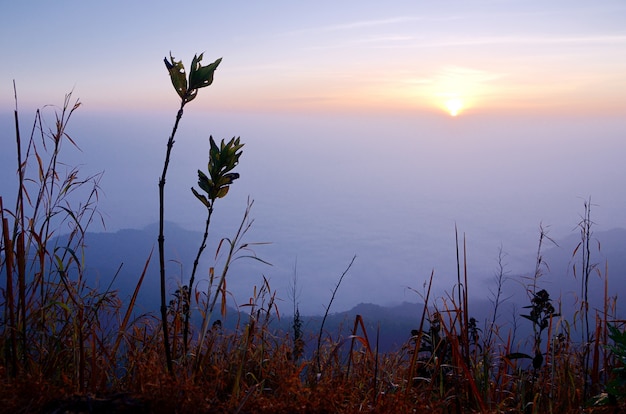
371,128
561,56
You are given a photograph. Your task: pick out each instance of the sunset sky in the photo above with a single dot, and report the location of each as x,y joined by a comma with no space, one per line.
370,128
481,56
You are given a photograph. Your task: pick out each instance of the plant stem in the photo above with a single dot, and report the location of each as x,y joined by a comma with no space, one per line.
586,233
221,287
418,340
332,298
170,144
193,276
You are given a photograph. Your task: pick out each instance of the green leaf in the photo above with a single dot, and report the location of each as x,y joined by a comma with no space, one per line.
230,177
202,76
177,76
204,182
199,76
222,192
518,355
61,305
201,197
222,159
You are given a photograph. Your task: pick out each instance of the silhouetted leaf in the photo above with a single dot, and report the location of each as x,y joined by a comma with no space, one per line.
201,197
201,76
518,355
177,76
204,182
222,192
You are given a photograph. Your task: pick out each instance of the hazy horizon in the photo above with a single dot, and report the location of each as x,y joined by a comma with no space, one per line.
348,188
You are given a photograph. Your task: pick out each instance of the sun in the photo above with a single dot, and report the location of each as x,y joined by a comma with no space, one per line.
454,106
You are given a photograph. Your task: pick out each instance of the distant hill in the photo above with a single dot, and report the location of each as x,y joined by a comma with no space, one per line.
130,248
392,325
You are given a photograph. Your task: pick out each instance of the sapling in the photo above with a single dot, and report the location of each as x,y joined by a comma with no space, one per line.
199,77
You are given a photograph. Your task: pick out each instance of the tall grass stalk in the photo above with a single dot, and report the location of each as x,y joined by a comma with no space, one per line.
124,325
418,339
496,300
235,249
358,322
296,326
9,309
586,269
330,302
45,287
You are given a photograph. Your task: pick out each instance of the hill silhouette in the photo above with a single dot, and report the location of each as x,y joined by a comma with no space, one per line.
120,257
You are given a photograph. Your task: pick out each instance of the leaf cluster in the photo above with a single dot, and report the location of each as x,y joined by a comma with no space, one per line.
617,386
541,309
222,160
199,77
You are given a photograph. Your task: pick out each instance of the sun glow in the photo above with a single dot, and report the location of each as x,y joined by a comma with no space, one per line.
454,106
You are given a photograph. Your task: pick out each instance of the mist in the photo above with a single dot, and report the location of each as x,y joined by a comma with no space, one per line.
390,189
